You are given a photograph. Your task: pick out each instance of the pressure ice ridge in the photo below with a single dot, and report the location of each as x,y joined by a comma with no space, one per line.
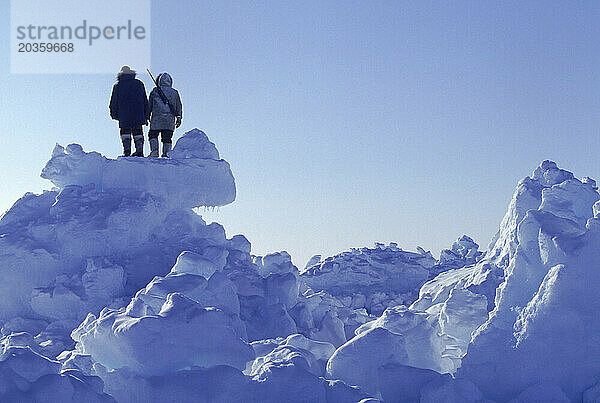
518,323
194,176
97,239
543,325
385,275
162,307
198,322
537,281
28,376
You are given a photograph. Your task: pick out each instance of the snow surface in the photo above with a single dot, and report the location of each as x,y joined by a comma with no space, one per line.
114,289
28,376
194,176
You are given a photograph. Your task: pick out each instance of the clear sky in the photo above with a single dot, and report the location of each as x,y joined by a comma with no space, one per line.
346,122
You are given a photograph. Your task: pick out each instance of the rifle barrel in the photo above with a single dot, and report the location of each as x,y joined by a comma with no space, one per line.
162,94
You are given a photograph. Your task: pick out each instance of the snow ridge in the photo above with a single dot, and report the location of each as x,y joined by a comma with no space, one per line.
193,177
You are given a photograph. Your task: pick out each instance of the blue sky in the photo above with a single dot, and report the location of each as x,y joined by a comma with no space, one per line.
350,122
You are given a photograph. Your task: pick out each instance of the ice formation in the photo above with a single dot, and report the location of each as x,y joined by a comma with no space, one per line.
515,324
193,177
28,376
545,316
94,241
383,276
114,289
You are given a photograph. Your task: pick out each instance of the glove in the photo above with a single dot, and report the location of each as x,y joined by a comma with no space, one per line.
178,121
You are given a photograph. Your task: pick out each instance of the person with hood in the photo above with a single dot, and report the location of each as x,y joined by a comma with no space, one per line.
129,105
163,118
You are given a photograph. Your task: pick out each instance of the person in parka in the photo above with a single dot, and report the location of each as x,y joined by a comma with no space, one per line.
162,120
129,105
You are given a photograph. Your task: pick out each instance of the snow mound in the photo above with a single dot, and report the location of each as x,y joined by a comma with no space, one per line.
400,337
383,276
516,323
182,308
193,177
183,326
313,355
447,389
548,202
75,251
151,344
383,268
342,292
543,325
28,376
102,236
197,385
292,372
462,253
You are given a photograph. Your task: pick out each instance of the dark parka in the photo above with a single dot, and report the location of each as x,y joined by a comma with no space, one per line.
128,102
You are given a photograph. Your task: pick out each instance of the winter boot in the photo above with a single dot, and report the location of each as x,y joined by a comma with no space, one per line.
139,146
166,150
154,147
126,140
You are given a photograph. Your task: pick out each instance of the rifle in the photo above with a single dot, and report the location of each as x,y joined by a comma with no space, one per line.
162,95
